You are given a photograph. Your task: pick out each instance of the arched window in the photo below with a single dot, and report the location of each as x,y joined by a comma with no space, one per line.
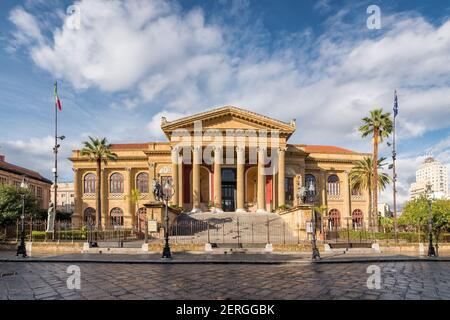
89,183
357,218
310,180
116,183
89,216
333,185
116,217
334,219
142,182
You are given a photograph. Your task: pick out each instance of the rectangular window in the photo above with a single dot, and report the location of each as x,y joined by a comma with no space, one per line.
39,192
289,189
3,180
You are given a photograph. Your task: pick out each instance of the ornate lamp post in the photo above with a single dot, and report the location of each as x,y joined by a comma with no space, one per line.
429,194
167,193
21,249
315,251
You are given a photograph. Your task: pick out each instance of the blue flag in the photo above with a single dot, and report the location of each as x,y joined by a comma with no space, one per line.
395,104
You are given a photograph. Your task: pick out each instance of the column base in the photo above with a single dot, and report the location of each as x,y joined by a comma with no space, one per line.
241,210
261,211
216,210
196,210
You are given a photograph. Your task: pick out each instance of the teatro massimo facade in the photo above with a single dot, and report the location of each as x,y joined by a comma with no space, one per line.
225,159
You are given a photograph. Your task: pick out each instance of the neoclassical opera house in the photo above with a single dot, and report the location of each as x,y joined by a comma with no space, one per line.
241,173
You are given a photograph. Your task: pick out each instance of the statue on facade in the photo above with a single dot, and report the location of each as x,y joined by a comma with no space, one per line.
302,195
157,190
50,217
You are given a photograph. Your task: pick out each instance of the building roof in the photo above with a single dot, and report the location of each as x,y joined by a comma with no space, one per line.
306,148
259,120
129,146
12,168
326,149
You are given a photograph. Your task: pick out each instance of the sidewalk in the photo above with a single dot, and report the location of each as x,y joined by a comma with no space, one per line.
207,258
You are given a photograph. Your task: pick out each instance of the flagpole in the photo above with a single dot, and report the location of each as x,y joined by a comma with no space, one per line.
55,170
394,174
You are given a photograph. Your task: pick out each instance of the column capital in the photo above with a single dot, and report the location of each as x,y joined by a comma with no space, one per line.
282,149
240,149
196,148
261,149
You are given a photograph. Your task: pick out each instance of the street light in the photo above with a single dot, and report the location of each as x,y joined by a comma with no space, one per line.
55,172
167,193
311,194
21,249
429,194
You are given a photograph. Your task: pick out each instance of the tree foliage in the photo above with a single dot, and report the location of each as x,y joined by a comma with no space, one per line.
11,204
416,214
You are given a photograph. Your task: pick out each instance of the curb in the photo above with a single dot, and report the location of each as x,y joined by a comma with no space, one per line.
375,259
238,262
241,262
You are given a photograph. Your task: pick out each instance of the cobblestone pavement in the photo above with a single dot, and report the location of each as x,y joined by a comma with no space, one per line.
399,280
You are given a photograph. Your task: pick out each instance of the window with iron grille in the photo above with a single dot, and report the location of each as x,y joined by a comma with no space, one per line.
142,182
333,185
116,183
89,183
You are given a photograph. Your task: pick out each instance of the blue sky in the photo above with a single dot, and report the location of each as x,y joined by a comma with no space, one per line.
129,63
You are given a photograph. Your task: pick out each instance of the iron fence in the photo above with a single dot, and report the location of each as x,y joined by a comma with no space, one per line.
236,230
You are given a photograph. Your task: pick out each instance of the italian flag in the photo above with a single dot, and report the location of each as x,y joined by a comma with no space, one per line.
57,101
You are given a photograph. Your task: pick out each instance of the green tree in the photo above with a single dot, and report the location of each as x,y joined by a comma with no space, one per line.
379,126
361,176
99,151
415,213
11,204
387,223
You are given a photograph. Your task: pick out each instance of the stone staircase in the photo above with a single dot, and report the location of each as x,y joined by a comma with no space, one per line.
233,230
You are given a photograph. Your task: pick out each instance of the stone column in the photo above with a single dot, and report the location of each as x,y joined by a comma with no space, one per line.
298,183
281,177
346,195
196,179
323,187
175,185
261,181
77,217
129,214
104,194
218,158
240,166
180,182
151,177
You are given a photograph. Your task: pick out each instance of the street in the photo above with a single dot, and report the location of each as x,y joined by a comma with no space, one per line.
399,280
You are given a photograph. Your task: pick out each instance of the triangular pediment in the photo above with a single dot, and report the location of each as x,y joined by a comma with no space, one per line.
229,118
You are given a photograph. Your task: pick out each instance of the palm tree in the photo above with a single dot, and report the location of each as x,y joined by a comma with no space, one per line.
361,177
379,125
98,150
135,196
322,212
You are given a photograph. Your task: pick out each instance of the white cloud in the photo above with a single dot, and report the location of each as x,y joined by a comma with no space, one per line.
28,29
36,153
154,126
163,57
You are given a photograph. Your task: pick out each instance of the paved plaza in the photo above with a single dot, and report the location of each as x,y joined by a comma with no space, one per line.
399,280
